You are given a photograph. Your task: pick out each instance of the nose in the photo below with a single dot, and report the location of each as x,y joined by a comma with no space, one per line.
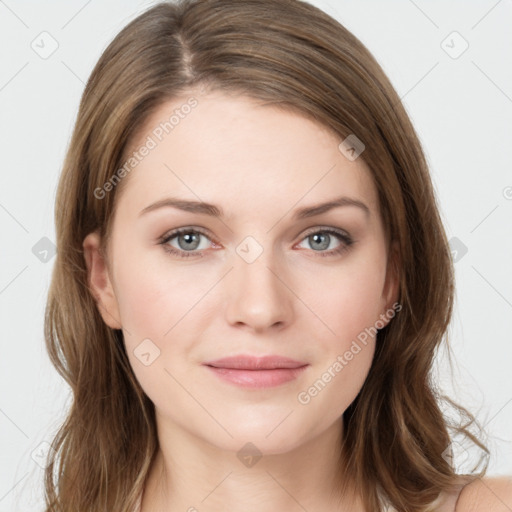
257,295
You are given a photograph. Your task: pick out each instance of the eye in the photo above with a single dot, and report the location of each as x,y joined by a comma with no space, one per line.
321,239
188,242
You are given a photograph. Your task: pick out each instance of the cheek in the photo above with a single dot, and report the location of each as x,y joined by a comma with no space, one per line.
344,353
143,302
348,307
153,310
348,298
153,297
159,311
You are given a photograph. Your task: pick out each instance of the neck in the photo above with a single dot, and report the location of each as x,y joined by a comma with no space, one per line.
190,474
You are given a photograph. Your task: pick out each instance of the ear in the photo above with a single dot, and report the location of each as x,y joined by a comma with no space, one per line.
99,280
391,290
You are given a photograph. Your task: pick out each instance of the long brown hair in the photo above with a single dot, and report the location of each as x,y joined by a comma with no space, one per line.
289,54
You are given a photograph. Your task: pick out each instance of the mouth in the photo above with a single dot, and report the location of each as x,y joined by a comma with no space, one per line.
256,372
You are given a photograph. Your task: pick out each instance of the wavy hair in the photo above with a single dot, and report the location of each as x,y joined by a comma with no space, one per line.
291,55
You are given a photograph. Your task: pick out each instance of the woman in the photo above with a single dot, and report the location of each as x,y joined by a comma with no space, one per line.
252,277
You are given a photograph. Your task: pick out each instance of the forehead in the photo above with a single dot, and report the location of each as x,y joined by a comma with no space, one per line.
234,150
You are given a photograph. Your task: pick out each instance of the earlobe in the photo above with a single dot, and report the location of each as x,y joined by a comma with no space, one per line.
99,280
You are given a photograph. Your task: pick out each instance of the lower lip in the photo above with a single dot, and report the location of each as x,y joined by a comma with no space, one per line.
258,378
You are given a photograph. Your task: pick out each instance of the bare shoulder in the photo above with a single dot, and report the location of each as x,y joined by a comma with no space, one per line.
489,494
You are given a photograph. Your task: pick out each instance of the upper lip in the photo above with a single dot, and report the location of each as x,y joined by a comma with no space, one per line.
245,362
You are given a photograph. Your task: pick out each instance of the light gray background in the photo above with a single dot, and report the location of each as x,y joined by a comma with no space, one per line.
462,110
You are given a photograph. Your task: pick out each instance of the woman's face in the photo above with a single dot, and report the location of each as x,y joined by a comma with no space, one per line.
264,271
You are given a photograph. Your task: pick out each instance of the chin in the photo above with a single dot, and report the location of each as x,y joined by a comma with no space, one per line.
269,436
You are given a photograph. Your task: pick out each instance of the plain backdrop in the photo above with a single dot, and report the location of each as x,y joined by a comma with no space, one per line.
451,64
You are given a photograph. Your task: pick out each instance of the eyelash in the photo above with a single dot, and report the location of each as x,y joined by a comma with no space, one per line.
345,238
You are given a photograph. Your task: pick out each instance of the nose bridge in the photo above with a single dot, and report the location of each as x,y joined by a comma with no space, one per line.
256,295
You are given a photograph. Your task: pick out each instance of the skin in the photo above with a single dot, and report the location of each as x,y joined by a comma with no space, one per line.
259,164
489,494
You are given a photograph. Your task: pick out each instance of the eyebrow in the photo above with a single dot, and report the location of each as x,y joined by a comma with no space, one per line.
212,210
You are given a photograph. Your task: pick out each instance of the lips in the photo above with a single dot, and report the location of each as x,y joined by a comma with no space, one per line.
243,362
256,372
